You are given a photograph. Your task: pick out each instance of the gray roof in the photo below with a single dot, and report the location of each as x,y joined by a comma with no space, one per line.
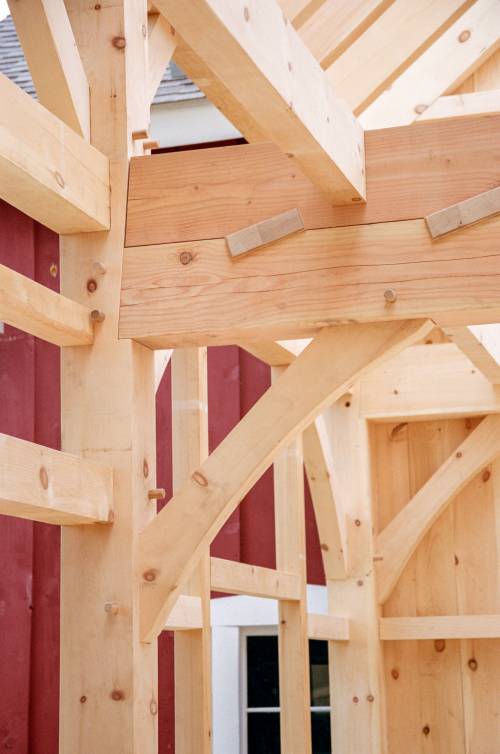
175,86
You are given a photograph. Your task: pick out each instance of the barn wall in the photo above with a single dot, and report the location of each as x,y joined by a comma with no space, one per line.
29,552
438,701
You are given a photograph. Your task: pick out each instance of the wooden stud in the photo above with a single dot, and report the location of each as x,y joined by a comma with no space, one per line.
40,311
255,236
57,488
464,213
240,578
173,543
47,170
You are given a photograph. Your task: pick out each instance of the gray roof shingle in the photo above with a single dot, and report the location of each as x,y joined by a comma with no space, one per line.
175,86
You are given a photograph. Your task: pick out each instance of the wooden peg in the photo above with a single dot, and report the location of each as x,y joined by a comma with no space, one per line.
151,144
97,316
157,494
142,133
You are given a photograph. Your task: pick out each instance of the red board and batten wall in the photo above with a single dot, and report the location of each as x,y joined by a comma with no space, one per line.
29,552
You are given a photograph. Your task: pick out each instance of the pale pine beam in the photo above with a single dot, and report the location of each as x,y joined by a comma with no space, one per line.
337,24
47,485
328,627
162,360
461,105
161,46
231,577
425,627
427,382
55,65
186,614
298,11
170,546
443,67
481,344
389,46
328,496
399,540
272,77
47,170
275,353
37,310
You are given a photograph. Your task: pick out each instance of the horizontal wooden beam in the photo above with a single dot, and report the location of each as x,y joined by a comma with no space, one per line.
240,578
210,193
427,382
316,278
481,344
54,487
327,627
270,74
400,538
49,46
463,105
440,627
47,170
185,615
40,311
170,546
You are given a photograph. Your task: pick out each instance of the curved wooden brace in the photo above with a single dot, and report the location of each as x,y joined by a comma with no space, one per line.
399,540
170,546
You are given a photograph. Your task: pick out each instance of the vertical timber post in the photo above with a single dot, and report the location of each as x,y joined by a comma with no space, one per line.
108,677
293,641
193,708
356,687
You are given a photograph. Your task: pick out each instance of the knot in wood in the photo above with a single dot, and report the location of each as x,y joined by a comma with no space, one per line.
59,179
185,257
150,575
486,475
91,285
419,109
44,477
97,316
153,707
464,36
200,479
83,699
119,42
440,645
472,664
395,673
370,698
355,699
145,469
117,695
426,730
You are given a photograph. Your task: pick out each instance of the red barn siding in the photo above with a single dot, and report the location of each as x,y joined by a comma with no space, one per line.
29,553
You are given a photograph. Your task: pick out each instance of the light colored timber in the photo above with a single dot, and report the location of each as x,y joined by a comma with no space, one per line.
57,488
327,627
280,84
49,47
327,492
47,170
440,627
232,577
32,307
192,649
108,415
403,32
265,232
271,352
162,360
337,24
210,193
169,547
463,105
400,538
161,47
312,279
293,640
427,382
481,344
441,68
464,213
186,615
297,10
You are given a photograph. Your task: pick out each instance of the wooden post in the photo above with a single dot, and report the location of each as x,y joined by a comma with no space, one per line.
293,641
193,708
108,677
356,689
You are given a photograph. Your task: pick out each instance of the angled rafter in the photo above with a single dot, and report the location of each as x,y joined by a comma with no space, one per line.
40,311
363,273
161,46
260,59
399,540
402,33
443,67
463,105
240,578
56,68
481,344
440,627
169,548
47,170
54,487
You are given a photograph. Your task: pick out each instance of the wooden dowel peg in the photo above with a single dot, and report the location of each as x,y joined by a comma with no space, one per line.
142,133
97,316
157,494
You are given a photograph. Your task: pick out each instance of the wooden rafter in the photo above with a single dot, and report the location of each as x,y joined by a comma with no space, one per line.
240,578
161,47
57,488
47,170
55,65
399,540
260,59
192,518
40,311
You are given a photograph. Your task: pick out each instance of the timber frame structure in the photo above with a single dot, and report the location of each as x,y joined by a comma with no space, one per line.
353,245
